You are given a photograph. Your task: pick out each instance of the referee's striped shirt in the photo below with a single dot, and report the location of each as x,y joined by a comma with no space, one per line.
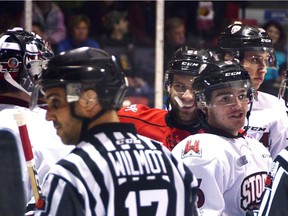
275,199
115,171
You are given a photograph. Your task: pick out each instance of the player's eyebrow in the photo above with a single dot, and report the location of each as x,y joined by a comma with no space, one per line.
52,95
230,91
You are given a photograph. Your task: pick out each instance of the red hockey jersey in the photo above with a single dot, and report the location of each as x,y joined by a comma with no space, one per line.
156,124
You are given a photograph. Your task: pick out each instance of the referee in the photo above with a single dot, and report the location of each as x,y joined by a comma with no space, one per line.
112,170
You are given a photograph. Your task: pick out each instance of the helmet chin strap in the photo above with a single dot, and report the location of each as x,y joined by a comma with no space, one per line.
10,80
247,116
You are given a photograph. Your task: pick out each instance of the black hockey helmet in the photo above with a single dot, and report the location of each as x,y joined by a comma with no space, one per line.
187,61
85,68
237,38
220,75
23,54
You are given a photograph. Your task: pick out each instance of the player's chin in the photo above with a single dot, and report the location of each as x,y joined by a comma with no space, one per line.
61,134
257,83
187,117
238,122
187,109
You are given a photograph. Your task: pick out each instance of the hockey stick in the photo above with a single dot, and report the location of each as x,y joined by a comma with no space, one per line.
27,149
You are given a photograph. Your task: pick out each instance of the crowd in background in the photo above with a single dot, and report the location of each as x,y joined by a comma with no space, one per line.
210,97
127,30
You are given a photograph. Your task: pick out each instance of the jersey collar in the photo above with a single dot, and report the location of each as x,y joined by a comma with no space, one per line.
13,101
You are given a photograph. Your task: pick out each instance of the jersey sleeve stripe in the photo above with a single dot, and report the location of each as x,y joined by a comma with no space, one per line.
78,181
101,175
109,146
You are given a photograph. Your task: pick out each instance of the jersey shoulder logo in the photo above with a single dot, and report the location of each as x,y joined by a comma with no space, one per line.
192,149
132,108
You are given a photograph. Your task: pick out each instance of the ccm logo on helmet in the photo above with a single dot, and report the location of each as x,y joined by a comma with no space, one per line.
233,73
265,40
193,64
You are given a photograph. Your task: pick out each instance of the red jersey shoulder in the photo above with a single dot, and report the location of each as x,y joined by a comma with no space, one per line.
143,112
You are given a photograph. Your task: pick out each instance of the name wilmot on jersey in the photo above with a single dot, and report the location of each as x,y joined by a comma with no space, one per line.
134,160
149,162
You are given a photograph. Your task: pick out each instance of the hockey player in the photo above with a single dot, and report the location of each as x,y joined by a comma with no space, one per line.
22,55
112,170
230,165
253,47
170,127
276,188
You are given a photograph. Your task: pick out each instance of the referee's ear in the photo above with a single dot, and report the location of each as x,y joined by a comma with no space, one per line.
89,103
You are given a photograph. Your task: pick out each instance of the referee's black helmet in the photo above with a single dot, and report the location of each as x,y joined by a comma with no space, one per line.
86,68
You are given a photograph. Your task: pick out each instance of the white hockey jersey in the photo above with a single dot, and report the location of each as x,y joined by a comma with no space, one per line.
231,172
47,146
268,123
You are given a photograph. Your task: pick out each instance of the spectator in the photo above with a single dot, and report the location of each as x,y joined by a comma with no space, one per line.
118,42
10,14
175,37
116,28
142,19
205,20
38,29
50,15
79,26
274,76
95,10
112,170
230,165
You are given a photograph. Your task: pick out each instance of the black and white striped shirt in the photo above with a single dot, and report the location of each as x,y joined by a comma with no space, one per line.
275,198
115,171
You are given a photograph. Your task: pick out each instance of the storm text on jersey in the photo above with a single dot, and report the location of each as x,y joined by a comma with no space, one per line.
251,190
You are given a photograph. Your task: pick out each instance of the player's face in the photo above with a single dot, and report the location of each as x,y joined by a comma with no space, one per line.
58,111
256,65
227,109
182,99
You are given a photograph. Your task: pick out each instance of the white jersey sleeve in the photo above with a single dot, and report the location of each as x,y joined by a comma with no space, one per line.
268,123
230,172
46,145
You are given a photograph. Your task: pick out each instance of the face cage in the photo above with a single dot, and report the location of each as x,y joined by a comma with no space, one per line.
203,101
283,91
